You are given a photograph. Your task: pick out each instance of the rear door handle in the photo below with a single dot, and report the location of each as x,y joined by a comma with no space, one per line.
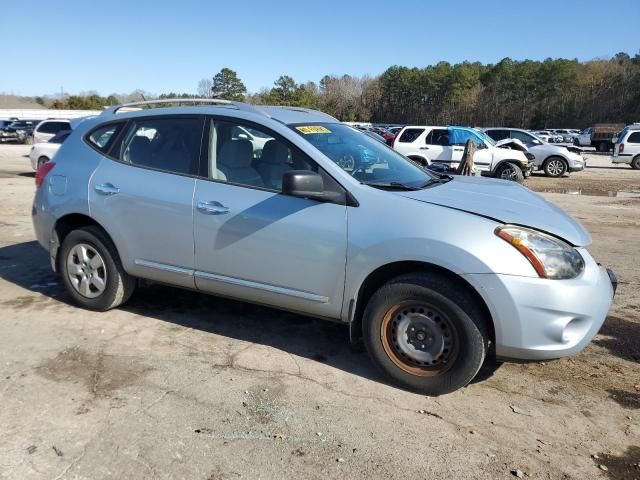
212,208
107,189
424,148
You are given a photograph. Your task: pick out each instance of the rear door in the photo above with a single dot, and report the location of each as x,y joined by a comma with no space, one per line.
437,147
143,195
254,243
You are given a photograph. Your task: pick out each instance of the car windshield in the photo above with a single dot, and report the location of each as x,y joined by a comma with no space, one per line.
368,160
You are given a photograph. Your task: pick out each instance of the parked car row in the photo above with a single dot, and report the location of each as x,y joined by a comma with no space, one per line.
31,131
429,145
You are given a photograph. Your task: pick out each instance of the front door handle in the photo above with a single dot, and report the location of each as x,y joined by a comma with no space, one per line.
212,208
107,189
424,148
458,149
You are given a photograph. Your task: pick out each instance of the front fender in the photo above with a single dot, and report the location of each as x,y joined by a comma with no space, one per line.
404,230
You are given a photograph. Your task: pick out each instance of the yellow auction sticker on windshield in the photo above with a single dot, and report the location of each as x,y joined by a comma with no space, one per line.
313,129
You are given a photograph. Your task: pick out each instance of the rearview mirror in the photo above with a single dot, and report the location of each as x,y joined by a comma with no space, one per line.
303,183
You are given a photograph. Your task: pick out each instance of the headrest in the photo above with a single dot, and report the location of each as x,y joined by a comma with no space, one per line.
236,153
274,151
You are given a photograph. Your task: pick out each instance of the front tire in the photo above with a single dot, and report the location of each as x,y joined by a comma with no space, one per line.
510,171
92,271
425,333
555,167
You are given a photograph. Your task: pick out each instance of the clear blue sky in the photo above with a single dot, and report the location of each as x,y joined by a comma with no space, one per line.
161,46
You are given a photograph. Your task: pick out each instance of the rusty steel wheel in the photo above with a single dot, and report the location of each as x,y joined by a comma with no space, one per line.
419,338
426,332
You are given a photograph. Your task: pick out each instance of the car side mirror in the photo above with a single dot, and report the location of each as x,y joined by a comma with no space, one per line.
303,183
243,136
482,146
536,142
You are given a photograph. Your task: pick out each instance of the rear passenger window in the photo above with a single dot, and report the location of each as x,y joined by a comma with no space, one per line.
102,137
168,144
251,156
634,138
53,127
410,135
438,136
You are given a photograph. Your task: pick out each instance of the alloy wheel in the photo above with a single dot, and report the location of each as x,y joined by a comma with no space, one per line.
86,270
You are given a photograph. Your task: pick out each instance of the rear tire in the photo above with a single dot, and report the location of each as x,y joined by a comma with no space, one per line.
92,271
555,167
41,161
510,171
635,163
429,308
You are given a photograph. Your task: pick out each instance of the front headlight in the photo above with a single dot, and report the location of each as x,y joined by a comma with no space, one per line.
549,256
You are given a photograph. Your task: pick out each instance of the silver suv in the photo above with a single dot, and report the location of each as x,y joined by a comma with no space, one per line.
433,272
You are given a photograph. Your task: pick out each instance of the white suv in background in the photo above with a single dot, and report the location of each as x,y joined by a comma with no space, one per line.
627,147
555,160
47,129
427,145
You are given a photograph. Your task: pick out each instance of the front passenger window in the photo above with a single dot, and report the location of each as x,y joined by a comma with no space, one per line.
250,156
168,144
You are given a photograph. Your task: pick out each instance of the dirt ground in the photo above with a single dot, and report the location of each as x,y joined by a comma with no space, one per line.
181,385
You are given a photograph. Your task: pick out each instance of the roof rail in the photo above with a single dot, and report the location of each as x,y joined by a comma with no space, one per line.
218,101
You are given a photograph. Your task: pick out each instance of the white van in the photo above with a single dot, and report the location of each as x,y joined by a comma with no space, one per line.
627,147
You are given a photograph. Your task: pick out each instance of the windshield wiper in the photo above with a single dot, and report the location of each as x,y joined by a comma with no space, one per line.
392,185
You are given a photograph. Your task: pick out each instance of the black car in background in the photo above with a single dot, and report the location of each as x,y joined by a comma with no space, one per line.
17,131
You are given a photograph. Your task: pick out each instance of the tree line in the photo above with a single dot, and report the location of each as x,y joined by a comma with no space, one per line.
526,94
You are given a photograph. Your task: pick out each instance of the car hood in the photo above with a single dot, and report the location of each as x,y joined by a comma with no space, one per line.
512,143
506,202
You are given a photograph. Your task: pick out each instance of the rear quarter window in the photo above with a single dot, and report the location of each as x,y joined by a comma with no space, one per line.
498,134
53,127
634,138
410,135
102,138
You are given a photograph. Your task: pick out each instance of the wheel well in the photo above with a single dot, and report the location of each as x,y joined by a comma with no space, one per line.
384,274
67,224
502,162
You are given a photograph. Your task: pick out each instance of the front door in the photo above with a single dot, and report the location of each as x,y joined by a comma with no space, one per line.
144,197
254,243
